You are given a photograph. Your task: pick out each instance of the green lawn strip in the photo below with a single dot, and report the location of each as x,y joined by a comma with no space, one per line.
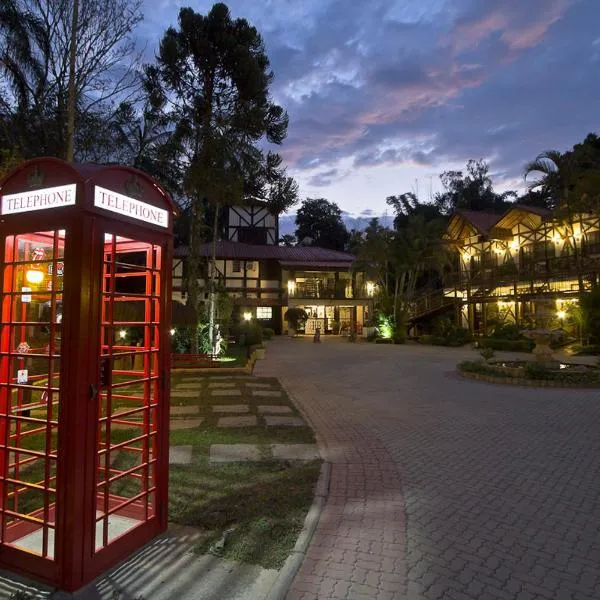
262,505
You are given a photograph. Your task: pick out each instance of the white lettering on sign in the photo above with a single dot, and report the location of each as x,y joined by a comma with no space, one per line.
54,197
130,207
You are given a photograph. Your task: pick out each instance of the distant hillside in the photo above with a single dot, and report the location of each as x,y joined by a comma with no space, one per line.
287,222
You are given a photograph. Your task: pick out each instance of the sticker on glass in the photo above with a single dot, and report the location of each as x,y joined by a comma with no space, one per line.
23,348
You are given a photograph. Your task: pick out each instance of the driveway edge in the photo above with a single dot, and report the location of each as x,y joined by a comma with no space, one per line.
294,561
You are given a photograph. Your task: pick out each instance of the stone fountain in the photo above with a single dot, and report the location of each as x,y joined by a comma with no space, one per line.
542,335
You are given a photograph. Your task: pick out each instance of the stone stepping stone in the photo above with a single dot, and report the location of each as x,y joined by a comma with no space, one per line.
185,424
185,394
267,393
222,384
259,385
244,421
222,393
187,386
226,453
274,409
180,455
283,421
295,451
190,409
231,408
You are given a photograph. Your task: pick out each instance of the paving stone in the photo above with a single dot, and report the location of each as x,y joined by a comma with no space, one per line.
180,455
267,393
187,386
284,421
222,384
244,421
274,409
222,393
177,424
259,385
185,394
295,451
189,409
231,408
226,453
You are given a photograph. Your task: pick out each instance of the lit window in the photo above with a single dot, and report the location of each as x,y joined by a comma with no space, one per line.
264,312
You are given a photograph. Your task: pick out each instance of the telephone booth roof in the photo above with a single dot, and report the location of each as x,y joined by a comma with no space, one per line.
119,192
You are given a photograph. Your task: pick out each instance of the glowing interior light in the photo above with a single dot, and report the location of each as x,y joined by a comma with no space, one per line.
247,316
172,332
122,333
291,286
34,276
514,245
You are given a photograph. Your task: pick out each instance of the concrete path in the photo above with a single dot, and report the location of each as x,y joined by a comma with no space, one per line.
442,488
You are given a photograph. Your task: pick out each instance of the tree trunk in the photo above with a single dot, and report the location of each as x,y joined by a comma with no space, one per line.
193,268
71,108
211,289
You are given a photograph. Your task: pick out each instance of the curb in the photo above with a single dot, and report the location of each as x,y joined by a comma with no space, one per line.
294,561
521,381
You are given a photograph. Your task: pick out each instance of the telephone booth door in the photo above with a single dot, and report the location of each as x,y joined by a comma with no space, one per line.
131,383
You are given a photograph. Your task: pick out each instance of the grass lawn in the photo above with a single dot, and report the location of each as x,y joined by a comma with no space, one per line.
260,506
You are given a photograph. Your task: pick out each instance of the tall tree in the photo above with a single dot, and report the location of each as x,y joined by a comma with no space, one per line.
472,190
321,221
215,72
35,39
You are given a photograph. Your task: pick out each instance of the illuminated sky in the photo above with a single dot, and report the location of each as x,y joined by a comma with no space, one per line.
384,95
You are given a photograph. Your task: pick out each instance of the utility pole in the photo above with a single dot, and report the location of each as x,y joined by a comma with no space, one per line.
72,102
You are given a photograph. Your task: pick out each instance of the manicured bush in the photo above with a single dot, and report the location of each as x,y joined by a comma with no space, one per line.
507,331
249,333
523,345
268,333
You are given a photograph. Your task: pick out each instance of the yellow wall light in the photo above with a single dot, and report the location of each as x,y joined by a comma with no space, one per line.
34,276
370,288
291,286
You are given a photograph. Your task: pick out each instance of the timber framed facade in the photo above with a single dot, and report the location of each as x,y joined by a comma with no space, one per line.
265,279
512,267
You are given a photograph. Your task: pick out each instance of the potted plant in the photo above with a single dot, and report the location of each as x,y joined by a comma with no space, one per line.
295,317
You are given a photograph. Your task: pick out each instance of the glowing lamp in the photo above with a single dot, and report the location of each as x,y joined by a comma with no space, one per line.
247,316
561,314
34,276
172,331
370,288
122,333
514,245
291,285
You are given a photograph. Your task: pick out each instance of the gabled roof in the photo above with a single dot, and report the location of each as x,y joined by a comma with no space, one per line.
466,223
519,213
298,255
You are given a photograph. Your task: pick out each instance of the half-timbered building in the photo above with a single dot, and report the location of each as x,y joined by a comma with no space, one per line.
512,267
264,279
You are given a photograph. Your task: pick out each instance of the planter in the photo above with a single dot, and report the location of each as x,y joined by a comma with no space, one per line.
259,354
291,331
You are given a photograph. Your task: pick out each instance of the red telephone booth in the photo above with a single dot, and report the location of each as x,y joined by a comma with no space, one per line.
86,254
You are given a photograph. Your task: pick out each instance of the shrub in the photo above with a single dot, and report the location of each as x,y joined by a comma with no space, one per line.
589,350
535,370
523,345
249,333
487,353
296,317
268,333
507,331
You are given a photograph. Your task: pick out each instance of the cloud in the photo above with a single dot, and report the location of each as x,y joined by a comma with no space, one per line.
323,179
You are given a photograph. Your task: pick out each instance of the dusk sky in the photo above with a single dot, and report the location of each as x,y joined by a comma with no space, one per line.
384,93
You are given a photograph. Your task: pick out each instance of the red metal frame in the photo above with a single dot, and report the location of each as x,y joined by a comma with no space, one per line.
93,507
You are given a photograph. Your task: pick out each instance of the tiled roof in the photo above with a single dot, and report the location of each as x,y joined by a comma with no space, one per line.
297,254
482,221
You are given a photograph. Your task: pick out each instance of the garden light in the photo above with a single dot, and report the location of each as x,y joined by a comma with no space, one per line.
561,314
172,331
247,316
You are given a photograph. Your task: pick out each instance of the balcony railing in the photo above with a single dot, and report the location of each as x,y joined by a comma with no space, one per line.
320,290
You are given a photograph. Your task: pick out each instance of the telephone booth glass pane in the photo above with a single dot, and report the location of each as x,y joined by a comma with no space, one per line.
30,349
129,387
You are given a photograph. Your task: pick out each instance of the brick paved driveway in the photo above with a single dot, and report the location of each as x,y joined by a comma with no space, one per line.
444,488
